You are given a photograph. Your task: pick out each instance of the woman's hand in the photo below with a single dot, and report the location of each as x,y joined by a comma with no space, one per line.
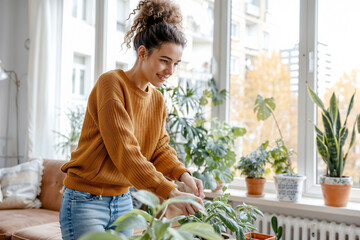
194,184
186,208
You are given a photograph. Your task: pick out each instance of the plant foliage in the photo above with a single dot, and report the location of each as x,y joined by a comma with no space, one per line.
208,150
277,229
331,141
76,118
281,156
224,218
157,228
253,164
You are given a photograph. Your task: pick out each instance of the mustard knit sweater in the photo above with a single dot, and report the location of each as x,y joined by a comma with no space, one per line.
123,142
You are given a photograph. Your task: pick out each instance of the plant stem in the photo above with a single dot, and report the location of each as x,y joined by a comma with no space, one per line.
282,139
277,125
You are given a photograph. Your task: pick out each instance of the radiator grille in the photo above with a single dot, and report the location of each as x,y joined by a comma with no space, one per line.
295,228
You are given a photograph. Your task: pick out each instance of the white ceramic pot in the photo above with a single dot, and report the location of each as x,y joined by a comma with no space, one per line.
336,181
289,187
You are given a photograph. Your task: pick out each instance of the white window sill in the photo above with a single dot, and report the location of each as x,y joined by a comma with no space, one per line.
307,207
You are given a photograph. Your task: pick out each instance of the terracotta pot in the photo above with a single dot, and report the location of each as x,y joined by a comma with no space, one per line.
255,186
336,191
259,236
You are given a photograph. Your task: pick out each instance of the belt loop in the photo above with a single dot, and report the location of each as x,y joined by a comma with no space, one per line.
100,197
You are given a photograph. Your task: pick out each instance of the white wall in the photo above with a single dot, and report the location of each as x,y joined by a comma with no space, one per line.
14,31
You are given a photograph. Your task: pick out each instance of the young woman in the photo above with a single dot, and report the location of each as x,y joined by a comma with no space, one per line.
123,141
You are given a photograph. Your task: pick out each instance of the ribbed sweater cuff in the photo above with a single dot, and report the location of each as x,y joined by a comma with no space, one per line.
164,189
177,172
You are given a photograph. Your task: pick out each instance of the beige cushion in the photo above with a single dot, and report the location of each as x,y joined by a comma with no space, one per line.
12,220
21,184
49,231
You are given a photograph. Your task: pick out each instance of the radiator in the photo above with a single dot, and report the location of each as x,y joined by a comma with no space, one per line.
295,228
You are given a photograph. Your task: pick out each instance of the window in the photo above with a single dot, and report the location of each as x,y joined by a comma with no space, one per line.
234,65
83,10
123,12
252,7
338,69
251,35
272,56
313,56
234,31
266,39
264,72
79,77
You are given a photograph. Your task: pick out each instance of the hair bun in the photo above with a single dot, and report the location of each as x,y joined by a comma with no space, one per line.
151,12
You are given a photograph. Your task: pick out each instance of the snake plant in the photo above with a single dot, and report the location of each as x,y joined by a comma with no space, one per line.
330,143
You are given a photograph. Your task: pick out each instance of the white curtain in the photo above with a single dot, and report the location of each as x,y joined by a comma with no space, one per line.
45,26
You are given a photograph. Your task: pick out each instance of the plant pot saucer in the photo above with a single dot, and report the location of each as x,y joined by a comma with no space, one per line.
255,196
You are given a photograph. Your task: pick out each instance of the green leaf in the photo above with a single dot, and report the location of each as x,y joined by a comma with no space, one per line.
258,212
322,149
180,234
349,108
264,107
274,224
230,223
130,221
203,230
102,236
316,99
177,219
343,134
338,124
353,137
279,233
147,198
160,228
333,108
318,131
240,235
238,132
358,123
333,146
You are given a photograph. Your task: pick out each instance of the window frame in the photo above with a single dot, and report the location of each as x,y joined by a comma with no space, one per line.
307,159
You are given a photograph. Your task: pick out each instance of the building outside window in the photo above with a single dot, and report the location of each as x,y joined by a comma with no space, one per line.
78,77
83,10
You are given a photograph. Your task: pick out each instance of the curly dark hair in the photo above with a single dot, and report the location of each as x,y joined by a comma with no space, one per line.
156,22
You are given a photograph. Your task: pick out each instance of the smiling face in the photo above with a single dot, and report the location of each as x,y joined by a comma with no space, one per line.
161,63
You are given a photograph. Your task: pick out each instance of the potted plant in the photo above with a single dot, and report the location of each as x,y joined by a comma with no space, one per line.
207,151
330,143
70,138
253,167
159,228
213,156
260,236
288,185
224,219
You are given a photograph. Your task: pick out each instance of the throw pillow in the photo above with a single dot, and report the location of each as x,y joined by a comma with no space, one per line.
1,197
20,185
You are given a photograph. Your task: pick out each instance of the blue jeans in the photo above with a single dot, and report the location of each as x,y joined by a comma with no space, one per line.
83,212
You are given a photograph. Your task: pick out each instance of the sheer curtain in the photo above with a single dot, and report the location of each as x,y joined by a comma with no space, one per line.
45,18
